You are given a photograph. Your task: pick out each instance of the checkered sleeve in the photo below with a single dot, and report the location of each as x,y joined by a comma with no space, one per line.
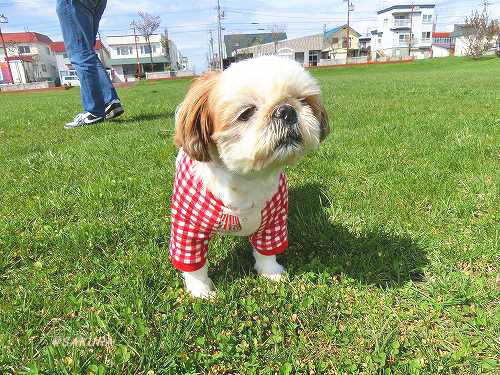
272,236
194,214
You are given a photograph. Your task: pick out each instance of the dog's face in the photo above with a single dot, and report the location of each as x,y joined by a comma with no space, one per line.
258,114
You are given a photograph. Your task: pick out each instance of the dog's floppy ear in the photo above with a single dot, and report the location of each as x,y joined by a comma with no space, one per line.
319,111
194,119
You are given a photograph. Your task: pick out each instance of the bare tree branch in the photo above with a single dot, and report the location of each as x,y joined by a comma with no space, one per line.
147,26
276,32
479,31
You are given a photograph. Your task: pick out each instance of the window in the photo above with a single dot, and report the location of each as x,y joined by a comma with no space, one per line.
314,57
386,21
401,21
426,35
427,18
299,57
65,55
24,49
44,68
127,50
325,55
146,50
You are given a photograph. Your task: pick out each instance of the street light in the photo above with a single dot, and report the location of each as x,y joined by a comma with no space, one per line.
4,19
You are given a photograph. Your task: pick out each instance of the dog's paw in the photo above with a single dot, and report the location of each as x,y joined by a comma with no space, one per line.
268,267
199,284
201,290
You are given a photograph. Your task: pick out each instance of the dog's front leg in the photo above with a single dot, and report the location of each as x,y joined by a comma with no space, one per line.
198,283
267,266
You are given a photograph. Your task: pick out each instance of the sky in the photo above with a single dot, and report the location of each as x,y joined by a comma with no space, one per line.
189,22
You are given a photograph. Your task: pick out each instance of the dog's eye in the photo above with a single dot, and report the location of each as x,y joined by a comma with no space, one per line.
247,113
303,101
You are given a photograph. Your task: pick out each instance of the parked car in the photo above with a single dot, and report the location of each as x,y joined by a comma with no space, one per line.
70,81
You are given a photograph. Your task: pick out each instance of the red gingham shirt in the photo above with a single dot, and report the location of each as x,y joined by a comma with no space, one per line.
197,215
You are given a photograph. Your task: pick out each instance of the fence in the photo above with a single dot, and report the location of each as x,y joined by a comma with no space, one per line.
27,86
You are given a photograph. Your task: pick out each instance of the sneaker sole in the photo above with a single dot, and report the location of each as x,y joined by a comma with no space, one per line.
114,113
86,124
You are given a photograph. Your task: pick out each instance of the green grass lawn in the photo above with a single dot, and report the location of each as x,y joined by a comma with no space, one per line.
393,258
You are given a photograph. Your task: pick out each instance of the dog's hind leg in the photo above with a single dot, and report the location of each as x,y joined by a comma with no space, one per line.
199,284
267,266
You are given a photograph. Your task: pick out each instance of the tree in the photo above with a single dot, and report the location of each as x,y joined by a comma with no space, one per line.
495,29
479,32
333,44
165,43
147,26
277,31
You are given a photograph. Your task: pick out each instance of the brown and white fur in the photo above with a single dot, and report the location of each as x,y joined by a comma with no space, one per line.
238,125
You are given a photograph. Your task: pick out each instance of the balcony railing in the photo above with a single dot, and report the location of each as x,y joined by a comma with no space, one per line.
401,23
415,42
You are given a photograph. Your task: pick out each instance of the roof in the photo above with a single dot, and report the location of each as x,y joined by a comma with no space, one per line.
237,41
26,37
330,32
405,7
441,35
59,46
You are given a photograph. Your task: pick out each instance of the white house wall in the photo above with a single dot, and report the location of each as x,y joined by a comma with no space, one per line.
388,42
438,51
288,48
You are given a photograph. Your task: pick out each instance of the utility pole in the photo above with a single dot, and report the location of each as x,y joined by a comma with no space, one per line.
211,51
412,6
138,70
219,32
4,19
350,8
167,49
485,6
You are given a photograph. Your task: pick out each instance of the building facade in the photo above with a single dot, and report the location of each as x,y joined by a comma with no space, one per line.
404,30
30,58
312,50
130,53
443,44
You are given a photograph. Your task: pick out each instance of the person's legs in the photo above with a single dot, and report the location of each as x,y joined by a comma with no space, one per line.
108,91
78,24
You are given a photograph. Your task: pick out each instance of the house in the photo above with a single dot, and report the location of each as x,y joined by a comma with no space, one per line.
232,42
132,54
365,45
29,57
404,30
442,44
336,45
311,50
63,63
458,35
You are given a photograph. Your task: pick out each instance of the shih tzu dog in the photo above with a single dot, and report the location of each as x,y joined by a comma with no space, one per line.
236,131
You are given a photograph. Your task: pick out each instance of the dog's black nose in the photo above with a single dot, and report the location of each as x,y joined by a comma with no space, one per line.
286,113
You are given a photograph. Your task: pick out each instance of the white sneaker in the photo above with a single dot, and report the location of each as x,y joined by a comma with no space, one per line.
82,119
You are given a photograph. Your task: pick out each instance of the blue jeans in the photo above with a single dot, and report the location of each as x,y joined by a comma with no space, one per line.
79,23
